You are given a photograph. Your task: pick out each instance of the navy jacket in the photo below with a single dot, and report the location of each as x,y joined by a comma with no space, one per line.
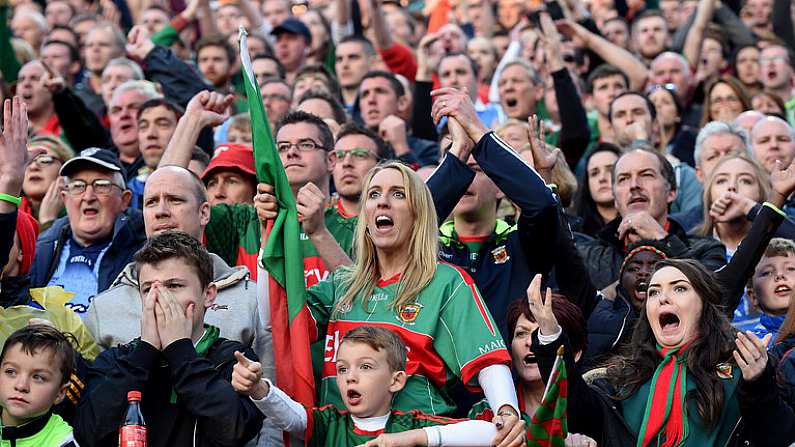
506,262
128,236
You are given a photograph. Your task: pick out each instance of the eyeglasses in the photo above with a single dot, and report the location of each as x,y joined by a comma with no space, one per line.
358,154
46,160
302,146
653,88
773,59
101,186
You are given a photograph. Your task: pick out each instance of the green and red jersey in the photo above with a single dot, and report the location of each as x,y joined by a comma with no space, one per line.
448,330
329,427
233,233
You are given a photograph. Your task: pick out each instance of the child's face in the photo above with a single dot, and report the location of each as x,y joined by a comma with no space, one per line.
236,135
638,271
29,384
773,282
365,380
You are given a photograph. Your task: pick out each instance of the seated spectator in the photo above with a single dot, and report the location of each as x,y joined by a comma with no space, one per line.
724,100
85,251
180,362
37,363
157,120
382,98
368,400
231,177
684,302
644,185
594,203
356,151
41,188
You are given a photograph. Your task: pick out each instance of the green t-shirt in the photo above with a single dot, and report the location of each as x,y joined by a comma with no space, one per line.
327,426
448,330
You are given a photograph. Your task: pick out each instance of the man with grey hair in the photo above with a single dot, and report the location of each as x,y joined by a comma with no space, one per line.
84,251
123,117
520,89
31,26
672,69
773,140
117,72
715,140
102,43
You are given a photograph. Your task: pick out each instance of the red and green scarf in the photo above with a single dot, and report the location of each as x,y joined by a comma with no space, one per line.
665,419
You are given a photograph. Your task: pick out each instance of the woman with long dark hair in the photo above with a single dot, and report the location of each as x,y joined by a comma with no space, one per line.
684,380
594,202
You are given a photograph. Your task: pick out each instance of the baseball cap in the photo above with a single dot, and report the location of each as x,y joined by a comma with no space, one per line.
234,156
293,26
93,157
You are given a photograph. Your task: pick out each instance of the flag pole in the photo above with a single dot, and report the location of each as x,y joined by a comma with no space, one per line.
558,359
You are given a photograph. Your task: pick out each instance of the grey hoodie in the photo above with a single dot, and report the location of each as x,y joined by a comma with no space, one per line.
114,316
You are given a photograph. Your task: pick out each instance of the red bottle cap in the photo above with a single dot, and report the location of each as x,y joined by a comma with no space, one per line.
134,395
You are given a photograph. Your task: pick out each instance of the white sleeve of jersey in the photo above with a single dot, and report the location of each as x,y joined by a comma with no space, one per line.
498,387
462,434
285,413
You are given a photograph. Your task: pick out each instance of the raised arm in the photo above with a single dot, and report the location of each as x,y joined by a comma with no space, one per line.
204,109
695,35
609,52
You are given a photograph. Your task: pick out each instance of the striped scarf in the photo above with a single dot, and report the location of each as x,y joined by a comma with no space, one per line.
665,419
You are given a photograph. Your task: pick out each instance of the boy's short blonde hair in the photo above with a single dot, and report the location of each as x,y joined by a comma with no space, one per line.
379,339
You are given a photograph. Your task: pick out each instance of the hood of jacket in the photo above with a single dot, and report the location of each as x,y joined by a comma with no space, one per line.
224,276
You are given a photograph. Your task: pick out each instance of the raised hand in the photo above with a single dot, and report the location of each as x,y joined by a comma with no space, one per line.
53,81
310,204
247,378
149,332
730,206
462,144
542,309
455,103
543,160
209,108
510,428
139,43
782,182
52,203
265,203
173,321
751,354
14,154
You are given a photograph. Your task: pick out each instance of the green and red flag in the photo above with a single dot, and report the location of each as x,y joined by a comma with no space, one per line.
548,427
282,255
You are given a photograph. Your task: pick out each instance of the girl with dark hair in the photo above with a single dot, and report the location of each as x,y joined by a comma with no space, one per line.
684,380
594,202
725,98
746,67
675,139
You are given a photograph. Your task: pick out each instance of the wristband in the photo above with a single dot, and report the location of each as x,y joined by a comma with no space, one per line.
16,201
767,204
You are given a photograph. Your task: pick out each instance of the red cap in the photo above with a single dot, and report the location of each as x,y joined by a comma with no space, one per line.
27,231
133,395
235,156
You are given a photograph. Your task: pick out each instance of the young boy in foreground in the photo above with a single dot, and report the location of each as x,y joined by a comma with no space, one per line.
35,364
371,363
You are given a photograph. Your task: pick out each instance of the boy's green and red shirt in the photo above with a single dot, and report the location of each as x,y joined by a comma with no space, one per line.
448,330
329,427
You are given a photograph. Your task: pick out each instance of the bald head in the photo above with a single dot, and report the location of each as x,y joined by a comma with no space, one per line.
175,199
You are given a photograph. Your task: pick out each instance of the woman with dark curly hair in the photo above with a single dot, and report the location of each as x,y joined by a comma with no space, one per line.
684,380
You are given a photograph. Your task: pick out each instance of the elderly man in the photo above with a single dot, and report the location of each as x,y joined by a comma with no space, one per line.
644,185
31,88
84,251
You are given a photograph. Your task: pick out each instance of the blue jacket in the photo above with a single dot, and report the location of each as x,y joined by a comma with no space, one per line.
128,236
511,256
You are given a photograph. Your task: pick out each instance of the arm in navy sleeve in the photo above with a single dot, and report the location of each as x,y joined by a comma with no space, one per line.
574,132
448,183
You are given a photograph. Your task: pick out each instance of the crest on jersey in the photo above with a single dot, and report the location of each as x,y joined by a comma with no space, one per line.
408,313
500,255
344,308
724,371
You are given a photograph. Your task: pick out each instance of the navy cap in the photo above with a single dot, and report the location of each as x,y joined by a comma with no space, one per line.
93,157
293,26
